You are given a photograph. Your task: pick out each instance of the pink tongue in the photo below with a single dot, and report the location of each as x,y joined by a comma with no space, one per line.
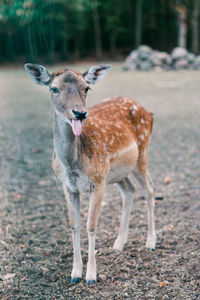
76,127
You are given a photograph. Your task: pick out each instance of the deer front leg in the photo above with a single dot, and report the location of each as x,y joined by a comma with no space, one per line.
73,203
94,207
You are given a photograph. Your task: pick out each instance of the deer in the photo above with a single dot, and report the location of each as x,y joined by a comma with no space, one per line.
104,144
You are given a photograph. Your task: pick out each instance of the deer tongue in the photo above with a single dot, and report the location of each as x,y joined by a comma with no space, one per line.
76,127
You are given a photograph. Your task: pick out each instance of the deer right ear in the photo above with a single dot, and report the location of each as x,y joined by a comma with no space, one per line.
96,73
38,73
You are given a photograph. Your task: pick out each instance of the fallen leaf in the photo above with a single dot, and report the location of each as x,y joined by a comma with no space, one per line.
102,276
8,276
163,283
85,215
36,150
16,195
42,183
167,180
168,227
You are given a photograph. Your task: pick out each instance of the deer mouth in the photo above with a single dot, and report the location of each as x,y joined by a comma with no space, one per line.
77,121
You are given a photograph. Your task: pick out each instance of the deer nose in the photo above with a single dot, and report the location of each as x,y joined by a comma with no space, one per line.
79,115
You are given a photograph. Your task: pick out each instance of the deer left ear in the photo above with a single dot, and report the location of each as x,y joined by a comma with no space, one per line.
95,73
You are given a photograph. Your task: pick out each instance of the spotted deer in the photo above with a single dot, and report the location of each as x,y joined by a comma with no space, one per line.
95,147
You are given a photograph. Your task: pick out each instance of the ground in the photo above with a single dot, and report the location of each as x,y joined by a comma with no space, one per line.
35,239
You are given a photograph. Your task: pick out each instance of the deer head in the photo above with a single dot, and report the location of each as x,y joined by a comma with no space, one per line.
68,90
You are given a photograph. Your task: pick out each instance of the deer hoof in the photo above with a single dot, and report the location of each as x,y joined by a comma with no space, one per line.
75,280
90,281
151,243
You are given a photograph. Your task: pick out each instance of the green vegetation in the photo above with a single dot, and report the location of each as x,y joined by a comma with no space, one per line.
54,30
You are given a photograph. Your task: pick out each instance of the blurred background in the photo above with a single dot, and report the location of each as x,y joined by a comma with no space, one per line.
51,31
35,238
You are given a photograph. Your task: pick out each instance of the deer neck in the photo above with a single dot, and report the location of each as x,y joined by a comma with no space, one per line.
65,142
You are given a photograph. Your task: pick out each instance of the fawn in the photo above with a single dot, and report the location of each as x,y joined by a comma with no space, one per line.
94,147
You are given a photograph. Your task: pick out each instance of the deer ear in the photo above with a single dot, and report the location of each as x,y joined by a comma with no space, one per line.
95,73
38,73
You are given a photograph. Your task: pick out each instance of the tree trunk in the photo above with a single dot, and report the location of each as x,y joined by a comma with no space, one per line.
51,53
195,27
182,25
9,46
30,42
97,28
113,39
129,11
138,23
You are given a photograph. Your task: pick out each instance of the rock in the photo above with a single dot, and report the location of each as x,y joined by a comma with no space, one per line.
161,59
159,197
155,58
179,53
131,60
181,64
145,66
144,52
165,58
197,63
144,58
191,58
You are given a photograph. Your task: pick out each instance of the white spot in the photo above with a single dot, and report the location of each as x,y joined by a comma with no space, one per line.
135,107
141,137
142,121
133,112
138,126
107,99
146,132
125,100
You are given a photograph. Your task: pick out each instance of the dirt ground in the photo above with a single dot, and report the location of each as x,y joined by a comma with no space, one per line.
35,239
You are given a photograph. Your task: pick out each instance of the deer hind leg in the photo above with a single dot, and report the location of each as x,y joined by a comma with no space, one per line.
73,203
127,190
94,207
145,180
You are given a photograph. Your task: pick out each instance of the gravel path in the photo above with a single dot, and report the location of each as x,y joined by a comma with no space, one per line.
35,239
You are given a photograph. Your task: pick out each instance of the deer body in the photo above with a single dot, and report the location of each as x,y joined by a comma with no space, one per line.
91,149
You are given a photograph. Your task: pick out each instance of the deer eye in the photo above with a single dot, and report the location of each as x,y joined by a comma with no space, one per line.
87,89
55,90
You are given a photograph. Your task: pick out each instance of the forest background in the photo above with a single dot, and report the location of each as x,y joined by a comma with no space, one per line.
51,31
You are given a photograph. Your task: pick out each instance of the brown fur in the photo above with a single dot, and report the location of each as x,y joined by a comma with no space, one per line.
112,126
